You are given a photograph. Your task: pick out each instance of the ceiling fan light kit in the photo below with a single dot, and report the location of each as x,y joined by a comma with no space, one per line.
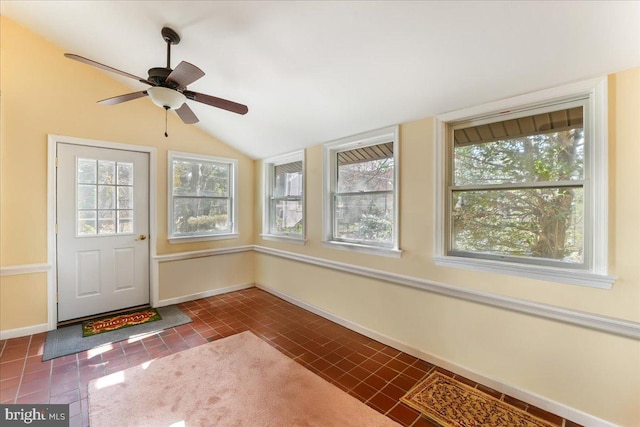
168,86
166,98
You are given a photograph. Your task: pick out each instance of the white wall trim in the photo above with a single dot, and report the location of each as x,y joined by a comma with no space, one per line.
15,270
205,294
612,325
201,254
22,332
521,394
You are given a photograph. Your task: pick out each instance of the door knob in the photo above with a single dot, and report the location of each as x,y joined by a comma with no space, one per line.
141,237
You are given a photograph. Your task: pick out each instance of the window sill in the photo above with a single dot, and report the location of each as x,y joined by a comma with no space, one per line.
552,274
365,249
190,239
283,238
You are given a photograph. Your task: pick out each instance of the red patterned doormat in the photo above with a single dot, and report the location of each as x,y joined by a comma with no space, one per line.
119,321
451,403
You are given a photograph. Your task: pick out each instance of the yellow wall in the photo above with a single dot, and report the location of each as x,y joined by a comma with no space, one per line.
45,93
592,371
205,274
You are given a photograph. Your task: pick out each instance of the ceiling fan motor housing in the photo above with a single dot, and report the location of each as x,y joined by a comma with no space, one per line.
158,75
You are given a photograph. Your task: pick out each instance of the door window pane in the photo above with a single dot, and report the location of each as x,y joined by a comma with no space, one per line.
125,197
87,222
125,173
106,222
104,201
106,197
106,172
87,171
87,196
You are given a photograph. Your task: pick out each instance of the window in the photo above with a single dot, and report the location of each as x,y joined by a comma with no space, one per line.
524,186
104,202
284,198
361,198
202,197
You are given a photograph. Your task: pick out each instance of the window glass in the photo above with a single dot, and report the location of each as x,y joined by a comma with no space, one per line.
285,196
361,201
201,194
518,187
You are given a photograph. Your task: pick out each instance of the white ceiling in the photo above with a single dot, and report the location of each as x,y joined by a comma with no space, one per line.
314,71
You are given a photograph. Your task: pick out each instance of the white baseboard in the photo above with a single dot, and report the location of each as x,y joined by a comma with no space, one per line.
22,332
205,294
534,399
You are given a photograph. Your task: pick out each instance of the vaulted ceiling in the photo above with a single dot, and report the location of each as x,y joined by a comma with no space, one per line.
314,71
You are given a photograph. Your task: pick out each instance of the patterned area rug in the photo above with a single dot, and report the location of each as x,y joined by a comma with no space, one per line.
451,403
119,321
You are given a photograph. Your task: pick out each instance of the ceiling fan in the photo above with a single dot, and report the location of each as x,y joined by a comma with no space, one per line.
168,86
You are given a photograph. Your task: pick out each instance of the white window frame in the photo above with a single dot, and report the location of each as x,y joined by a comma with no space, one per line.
330,168
233,195
269,166
594,273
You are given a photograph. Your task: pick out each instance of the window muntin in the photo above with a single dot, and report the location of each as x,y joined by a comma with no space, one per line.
517,189
360,202
104,197
202,190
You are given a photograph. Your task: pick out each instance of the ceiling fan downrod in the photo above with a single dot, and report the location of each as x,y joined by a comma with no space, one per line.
171,37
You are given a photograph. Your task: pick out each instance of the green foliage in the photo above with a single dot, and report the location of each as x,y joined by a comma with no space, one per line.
374,228
203,223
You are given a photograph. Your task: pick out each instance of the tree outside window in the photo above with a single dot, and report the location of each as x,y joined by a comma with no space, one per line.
517,187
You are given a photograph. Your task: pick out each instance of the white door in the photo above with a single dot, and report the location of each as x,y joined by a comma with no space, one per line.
103,227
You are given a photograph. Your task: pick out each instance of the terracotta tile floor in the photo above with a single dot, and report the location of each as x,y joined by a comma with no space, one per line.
372,372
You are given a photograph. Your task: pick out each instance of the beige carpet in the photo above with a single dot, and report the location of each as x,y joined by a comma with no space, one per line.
236,381
451,403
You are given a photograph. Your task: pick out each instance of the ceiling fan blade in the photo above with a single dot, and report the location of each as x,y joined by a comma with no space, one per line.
186,114
106,67
217,102
123,98
185,74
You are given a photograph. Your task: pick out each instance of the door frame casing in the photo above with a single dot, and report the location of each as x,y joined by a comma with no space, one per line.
52,255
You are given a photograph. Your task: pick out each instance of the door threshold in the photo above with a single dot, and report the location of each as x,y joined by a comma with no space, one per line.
105,314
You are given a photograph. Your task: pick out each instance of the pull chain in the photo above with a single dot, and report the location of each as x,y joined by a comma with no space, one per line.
166,111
